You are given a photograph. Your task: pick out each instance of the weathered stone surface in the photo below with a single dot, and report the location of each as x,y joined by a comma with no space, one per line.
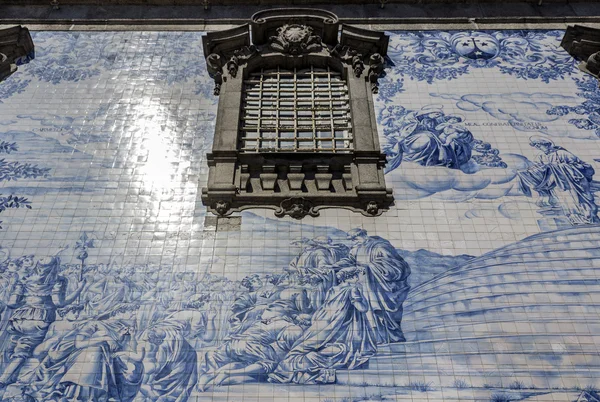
16,47
216,3
583,43
296,184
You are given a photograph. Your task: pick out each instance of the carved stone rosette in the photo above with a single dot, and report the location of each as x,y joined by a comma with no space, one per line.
295,39
16,48
296,184
583,43
297,208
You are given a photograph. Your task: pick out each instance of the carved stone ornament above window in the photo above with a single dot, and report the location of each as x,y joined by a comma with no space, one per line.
296,129
295,39
16,48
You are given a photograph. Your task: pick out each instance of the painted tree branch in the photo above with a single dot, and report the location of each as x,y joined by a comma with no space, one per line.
14,171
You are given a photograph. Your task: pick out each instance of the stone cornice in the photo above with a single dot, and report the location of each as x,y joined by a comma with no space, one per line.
294,32
409,15
280,3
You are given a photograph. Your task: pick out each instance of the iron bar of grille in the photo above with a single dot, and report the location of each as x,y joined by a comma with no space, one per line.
296,111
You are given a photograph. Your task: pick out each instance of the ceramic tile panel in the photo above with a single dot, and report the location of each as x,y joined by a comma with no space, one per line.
480,284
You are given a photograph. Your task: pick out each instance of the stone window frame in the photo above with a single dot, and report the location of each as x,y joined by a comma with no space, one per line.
296,184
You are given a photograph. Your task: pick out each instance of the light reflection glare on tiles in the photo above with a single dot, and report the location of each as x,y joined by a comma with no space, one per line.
157,154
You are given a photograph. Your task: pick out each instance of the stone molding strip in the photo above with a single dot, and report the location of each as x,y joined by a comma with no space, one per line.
436,13
207,26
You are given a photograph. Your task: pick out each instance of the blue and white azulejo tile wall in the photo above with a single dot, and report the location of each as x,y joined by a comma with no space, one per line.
480,284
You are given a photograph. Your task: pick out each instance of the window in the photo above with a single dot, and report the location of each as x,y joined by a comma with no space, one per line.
295,128
303,110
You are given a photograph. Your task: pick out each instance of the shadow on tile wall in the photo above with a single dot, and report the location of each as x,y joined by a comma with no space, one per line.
480,284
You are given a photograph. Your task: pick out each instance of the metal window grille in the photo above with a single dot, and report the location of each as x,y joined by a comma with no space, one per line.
304,110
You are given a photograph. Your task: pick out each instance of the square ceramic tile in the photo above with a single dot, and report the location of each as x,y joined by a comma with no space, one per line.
480,284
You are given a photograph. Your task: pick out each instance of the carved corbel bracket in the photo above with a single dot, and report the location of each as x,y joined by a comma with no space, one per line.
221,208
593,64
349,56
583,43
361,47
240,57
376,63
214,66
230,48
296,208
16,48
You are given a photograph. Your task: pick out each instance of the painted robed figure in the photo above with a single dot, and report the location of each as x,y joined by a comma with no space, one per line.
340,336
385,283
562,180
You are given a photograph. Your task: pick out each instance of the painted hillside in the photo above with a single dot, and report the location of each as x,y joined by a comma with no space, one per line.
525,313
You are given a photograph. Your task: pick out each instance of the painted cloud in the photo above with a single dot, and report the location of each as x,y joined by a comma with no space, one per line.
411,181
524,111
